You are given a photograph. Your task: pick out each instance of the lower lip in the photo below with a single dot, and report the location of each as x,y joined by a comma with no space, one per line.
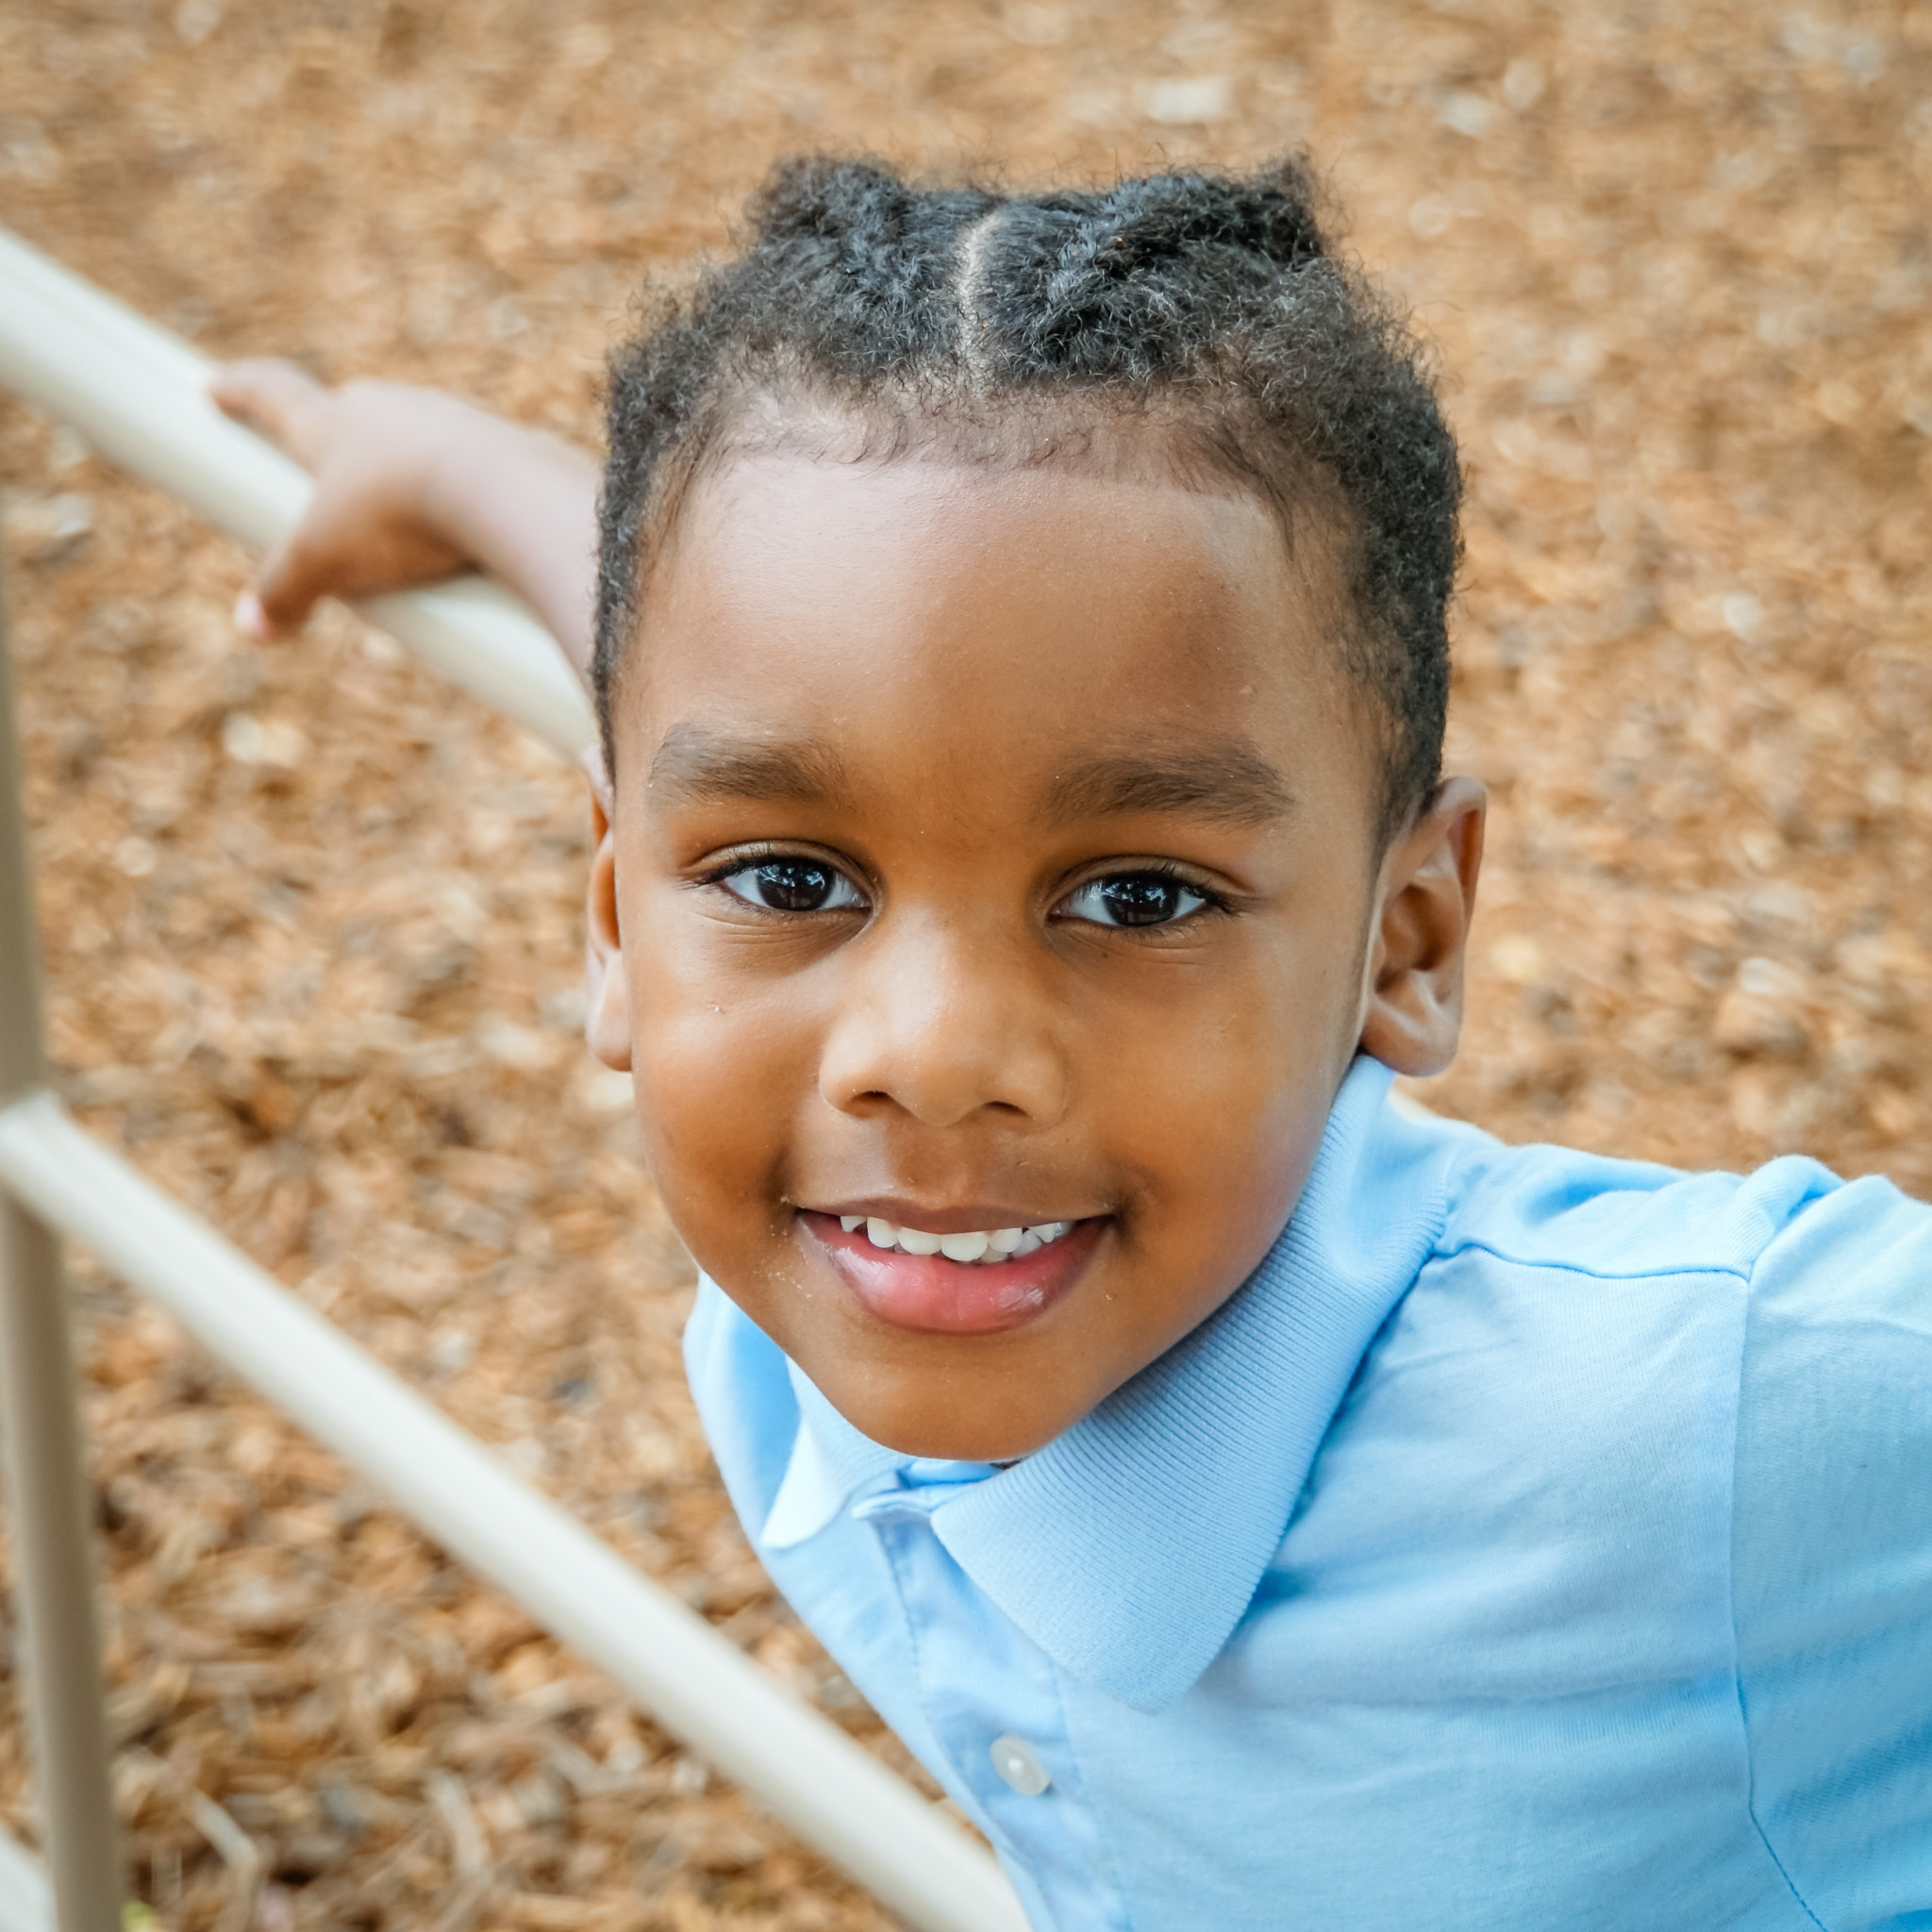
937,1296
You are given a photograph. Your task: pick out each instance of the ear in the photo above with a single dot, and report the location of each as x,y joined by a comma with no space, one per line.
1413,1006
607,996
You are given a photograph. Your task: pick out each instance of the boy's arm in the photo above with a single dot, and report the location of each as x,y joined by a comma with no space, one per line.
1832,1552
413,485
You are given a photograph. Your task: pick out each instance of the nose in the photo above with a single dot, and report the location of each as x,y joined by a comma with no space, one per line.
943,1025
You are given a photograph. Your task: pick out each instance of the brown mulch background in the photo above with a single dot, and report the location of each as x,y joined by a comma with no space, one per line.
311,921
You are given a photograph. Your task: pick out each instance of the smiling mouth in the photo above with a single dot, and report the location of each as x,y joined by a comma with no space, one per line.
984,1248
978,1282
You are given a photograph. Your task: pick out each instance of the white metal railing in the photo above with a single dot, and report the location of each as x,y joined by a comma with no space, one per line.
139,396
26,1899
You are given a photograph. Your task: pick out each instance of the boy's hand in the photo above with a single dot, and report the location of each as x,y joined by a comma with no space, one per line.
411,486
373,448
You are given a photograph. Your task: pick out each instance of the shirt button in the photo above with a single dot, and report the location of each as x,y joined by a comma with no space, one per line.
1015,1759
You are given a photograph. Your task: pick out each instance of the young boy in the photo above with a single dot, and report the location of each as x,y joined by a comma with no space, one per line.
1024,862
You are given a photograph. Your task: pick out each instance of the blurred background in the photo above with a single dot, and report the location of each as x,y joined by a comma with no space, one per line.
311,920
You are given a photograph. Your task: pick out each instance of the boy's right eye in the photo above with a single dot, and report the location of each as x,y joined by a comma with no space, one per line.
793,885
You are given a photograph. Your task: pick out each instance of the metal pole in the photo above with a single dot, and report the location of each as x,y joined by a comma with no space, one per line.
141,397
693,1679
47,1489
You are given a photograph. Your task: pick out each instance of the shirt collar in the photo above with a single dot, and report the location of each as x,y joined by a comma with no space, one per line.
831,1466
1129,1547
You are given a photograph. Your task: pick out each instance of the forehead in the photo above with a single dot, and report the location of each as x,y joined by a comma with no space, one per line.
1026,609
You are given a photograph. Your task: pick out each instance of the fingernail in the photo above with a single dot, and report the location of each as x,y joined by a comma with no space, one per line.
250,617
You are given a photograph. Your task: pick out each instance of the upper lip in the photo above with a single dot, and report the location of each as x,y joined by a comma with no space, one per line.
968,1218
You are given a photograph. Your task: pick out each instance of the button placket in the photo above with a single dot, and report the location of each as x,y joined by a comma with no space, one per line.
990,1702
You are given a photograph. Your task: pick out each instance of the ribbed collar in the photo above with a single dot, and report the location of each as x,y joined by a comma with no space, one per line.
1129,1547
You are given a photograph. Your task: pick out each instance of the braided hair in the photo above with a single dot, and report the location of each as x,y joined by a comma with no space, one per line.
1021,326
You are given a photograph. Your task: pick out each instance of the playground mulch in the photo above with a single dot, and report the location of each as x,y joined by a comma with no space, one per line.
310,919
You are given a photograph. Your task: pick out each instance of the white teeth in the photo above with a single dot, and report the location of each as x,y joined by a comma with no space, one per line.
984,1246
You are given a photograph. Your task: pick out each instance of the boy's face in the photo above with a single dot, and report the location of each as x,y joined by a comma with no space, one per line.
995,850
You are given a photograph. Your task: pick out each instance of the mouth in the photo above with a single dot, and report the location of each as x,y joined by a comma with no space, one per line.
975,1281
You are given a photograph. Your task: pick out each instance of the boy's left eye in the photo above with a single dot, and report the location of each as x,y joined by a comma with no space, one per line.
792,885
1133,898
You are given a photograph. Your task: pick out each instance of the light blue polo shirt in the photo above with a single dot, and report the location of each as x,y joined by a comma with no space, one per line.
1535,1542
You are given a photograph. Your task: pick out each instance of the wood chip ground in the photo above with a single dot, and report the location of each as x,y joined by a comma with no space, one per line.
311,922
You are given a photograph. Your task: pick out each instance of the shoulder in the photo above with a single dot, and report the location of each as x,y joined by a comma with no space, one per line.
1834,1278
1834,1467
1832,1551
1835,1414
1543,1429
1797,1305
1740,1370
1557,1207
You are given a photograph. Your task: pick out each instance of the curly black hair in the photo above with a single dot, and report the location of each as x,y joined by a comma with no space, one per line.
1025,325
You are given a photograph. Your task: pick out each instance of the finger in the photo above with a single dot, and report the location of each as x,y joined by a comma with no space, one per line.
251,620
285,590
285,403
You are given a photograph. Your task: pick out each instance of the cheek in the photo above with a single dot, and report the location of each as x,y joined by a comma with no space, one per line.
1238,1048
1218,1095
1221,1143
723,1075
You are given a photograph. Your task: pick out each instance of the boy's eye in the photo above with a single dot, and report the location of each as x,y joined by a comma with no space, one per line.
1133,898
792,885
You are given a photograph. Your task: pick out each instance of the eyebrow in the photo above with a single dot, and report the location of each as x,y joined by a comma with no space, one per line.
1226,781
695,764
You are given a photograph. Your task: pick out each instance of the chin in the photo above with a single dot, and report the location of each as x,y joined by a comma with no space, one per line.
911,1426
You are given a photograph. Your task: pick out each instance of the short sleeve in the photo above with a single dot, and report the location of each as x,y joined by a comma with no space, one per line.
1832,1557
